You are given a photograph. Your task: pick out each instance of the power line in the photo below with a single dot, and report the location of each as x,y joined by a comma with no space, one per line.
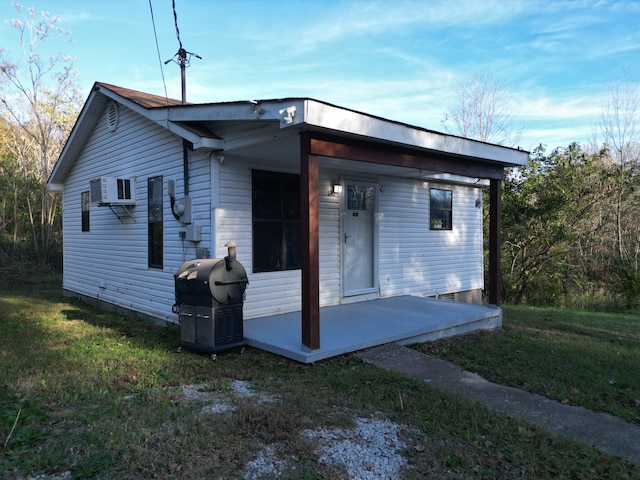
175,19
155,33
182,58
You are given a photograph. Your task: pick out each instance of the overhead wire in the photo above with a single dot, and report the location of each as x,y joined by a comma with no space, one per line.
155,33
175,19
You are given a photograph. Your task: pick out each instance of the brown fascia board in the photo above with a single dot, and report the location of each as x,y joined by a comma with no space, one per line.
323,116
401,156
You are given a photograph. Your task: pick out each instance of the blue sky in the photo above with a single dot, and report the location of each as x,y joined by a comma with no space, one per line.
401,60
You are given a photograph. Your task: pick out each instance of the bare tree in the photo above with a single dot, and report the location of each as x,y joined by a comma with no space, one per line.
482,111
621,137
40,102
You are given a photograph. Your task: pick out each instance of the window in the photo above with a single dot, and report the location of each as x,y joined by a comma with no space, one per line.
85,203
154,193
360,197
440,217
124,188
276,221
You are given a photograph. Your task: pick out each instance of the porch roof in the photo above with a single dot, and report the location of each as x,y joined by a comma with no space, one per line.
250,126
356,326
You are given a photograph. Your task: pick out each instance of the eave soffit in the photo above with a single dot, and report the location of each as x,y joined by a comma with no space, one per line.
220,126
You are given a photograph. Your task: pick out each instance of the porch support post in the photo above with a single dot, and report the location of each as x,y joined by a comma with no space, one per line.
309,223
495,214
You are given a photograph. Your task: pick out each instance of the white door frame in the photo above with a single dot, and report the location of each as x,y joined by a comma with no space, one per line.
347,290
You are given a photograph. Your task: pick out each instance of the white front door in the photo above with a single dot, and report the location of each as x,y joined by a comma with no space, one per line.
359,269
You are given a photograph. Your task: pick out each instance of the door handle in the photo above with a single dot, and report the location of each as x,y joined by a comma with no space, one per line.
345,237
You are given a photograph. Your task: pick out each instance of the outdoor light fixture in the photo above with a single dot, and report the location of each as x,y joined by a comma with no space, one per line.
336,189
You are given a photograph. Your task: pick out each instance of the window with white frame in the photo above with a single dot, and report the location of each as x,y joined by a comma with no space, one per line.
441,209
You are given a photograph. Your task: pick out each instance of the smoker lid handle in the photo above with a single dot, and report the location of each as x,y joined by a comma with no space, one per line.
235,282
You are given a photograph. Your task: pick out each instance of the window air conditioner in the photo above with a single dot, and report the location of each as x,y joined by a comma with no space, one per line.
113,191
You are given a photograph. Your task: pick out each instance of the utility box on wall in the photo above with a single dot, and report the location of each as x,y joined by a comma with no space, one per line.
182,209
193,233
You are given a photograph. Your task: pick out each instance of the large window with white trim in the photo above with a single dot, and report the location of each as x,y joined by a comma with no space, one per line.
276,221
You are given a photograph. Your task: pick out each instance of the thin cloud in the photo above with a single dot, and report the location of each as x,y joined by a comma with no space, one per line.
557,108
356,19
403,60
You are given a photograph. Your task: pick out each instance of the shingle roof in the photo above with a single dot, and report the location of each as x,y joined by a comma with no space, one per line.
145,100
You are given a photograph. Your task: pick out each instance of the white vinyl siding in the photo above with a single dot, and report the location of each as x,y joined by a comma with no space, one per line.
419,261
274,292
268,292
110,262
412,259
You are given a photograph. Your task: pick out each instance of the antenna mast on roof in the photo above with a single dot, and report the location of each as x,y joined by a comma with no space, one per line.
182,58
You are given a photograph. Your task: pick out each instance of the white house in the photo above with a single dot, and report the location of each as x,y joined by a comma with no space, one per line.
327,205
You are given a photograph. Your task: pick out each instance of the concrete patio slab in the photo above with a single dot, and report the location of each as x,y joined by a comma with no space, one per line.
356,326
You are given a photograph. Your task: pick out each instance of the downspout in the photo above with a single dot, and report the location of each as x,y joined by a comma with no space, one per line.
182,60
185,165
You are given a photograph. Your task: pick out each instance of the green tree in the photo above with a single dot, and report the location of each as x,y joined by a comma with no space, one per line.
544,211
11,185
40,103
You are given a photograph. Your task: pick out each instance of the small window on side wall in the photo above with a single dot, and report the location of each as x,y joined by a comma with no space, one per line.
441,207
85,204
155,222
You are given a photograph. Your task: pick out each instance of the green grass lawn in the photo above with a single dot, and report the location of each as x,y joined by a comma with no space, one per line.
102,396
578,357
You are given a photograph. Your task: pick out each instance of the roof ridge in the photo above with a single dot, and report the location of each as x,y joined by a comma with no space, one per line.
146,100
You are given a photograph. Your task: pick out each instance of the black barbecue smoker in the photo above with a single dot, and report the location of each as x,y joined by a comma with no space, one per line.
209,299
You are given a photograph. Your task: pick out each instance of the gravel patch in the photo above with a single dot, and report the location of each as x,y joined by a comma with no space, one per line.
223,401
242,389
265,464
218,408
196,393
61,476
369,451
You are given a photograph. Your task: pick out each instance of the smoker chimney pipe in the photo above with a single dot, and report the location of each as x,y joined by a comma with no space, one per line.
231,259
